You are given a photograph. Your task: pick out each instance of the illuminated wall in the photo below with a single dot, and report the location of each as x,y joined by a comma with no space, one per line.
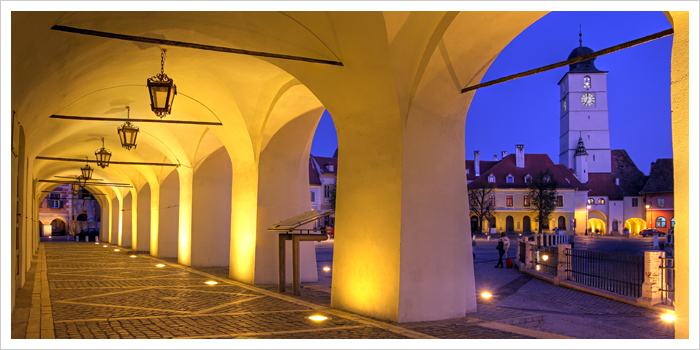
127,224
143,219
169,214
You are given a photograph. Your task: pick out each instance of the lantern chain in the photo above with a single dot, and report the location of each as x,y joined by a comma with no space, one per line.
162,61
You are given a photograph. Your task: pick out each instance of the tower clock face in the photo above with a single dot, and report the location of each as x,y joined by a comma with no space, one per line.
587,99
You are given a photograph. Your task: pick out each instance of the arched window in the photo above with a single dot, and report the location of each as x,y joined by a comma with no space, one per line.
510,179
492,179
586,82
591,201
661,222
528,178
673,222
601,201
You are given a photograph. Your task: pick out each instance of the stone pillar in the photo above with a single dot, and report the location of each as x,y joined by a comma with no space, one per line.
562,263
529,247
184,238
652,277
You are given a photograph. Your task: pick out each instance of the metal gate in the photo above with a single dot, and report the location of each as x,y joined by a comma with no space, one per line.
667,281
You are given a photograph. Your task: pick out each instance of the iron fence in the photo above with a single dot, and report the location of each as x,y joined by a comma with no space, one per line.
618,273
522,252
546,260
667,281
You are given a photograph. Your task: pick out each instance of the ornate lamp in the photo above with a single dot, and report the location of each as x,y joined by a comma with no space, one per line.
82,181
162,90
127,133
103,156
87,171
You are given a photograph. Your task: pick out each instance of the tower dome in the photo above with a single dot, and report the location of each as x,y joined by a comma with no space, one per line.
586,66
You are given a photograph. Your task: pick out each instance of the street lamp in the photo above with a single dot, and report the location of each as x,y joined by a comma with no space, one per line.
87,170
162,90
588,207
103,155
651,215
128,132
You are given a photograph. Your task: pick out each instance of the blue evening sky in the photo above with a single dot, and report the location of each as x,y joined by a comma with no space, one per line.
526,110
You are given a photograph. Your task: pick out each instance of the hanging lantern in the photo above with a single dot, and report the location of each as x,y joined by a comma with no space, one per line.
162,90
75,188
82,181
103,156
127,133
87,171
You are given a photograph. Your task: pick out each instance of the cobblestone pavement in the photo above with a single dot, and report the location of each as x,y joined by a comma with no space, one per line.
96,292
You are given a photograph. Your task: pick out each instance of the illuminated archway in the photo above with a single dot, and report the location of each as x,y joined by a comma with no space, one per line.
635,225
596,226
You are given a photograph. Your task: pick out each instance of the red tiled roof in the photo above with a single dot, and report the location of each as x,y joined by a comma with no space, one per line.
314,179
602,185
323,161
660,177
534,163
623,168
484,166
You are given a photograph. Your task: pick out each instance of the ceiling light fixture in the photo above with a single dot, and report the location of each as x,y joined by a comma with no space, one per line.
128,132
87,170
103,156
162,90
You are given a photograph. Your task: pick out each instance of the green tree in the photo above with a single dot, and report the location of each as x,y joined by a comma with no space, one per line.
543,196
480,204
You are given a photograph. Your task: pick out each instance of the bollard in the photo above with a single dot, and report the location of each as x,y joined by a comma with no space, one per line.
76,238
87,238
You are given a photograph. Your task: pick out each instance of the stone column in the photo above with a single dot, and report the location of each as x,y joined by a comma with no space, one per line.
652,277
184,239
529,247
562,263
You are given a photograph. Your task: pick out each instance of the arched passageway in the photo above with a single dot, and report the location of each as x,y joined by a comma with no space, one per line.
596,226
526,224
634,225
510,227
561,223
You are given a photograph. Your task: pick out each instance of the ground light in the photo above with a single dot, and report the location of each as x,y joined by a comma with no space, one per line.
160,265
116,250
211,282
105,246
668,317
132,256
326,269
97,242
486,295
318,318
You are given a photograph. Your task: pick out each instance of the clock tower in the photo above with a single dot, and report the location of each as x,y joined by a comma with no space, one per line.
583,114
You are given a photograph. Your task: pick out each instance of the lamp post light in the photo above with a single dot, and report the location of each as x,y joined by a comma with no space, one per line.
588,207
162,90
87,171
128,132
651,215
103,156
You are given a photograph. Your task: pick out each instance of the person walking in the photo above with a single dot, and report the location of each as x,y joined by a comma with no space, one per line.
501,251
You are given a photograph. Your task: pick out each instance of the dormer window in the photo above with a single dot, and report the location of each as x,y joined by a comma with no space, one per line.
492,179
330,167
591,201
586,82
528,178
510,179
467,171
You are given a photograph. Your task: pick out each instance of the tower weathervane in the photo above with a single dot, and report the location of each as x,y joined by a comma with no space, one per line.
580,36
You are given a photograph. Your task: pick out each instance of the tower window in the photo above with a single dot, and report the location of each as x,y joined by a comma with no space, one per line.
586,82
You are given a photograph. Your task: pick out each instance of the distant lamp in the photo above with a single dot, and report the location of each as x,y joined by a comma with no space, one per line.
75,189
318,318
103,156
545,257
162,90
668,317
648,206
486,295
87,171
128,132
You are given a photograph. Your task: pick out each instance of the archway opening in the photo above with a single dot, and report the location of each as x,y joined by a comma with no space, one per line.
635,225
526,224
561,223
509,224
596,226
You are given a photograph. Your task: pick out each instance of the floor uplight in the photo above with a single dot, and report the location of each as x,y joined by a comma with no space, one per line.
211,282
97,242
668,317
160,265
49,236
132,256
486,295
116,250
326,269
105,246
318,318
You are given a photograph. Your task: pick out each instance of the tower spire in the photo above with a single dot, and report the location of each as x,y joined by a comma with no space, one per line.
580,36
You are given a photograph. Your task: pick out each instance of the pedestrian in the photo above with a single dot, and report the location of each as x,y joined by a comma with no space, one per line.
501,250
473,245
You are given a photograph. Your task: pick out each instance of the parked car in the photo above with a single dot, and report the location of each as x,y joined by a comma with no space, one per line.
651,232
90,232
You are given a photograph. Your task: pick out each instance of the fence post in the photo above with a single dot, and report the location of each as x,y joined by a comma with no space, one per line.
652,278
528,254
562,263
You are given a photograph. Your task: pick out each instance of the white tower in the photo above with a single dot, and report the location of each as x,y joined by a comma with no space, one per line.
583,105
581,157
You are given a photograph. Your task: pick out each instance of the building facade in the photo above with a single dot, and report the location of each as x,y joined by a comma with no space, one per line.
658,196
